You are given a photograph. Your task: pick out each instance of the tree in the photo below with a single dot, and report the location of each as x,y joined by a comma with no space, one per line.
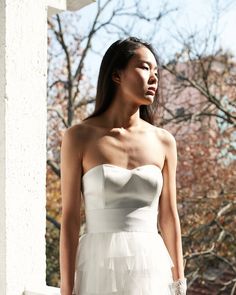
198,107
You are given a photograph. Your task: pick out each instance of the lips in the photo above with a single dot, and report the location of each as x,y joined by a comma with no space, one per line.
151,90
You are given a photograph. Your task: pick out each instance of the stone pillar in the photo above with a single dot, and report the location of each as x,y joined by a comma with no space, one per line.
23,124
23,121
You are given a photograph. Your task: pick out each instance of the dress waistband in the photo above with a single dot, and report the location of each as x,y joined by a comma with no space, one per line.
121,219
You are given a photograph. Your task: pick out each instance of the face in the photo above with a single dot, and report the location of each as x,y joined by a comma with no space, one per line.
138,81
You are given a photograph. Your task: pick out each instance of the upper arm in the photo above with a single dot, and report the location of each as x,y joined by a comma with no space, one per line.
168,203
71,167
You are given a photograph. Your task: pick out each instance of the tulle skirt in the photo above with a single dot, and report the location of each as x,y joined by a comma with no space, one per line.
122,263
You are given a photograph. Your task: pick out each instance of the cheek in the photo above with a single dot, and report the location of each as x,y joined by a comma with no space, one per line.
134,82
137,78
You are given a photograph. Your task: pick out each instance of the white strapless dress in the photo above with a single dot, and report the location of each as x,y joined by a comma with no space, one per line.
121,252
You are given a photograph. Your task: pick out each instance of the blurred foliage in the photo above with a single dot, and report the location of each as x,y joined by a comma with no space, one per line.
52,229
52,253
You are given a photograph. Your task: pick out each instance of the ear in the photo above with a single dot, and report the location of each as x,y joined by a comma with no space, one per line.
116,77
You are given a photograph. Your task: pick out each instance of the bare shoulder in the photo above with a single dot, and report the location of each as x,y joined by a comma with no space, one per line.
77,137
77,132
166,137
168,142
82,131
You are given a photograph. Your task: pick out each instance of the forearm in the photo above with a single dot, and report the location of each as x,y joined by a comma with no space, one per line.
68,244
171,234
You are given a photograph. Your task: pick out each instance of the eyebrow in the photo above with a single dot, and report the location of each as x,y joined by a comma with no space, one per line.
149,63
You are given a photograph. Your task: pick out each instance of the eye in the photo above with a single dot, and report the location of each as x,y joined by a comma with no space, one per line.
145,67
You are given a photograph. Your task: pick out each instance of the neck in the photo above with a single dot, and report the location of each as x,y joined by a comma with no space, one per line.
122,113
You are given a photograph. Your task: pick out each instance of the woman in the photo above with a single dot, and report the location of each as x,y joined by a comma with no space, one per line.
125,168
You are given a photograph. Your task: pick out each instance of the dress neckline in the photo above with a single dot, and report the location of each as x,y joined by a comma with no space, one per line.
119,167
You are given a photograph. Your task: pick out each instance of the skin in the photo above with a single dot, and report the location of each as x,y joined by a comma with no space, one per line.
120,137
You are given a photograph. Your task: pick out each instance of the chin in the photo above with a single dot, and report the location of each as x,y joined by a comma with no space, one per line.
148,99
145,100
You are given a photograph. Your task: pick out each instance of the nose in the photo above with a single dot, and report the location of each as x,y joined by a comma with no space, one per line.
153,79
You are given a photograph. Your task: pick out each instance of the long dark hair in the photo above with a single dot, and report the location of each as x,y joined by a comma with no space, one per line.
116,58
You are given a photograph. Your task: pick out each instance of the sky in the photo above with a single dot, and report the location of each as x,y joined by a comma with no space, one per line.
191,15
194,13
228,24
197,13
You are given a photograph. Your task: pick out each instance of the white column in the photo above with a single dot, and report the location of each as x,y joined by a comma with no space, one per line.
23,119
23,123
2,152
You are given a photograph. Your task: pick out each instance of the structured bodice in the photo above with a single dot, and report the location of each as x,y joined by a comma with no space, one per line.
120,199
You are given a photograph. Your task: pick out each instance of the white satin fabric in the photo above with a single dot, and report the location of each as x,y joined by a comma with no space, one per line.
121,252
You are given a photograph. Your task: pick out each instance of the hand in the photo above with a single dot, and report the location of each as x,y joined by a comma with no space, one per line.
179,287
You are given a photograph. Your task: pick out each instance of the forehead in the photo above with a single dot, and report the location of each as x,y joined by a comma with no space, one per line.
144,54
